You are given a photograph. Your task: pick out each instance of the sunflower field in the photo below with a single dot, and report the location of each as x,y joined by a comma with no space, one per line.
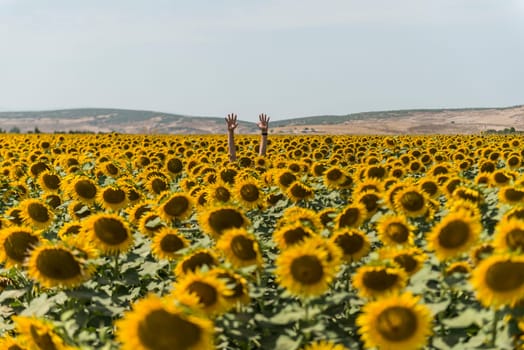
134,242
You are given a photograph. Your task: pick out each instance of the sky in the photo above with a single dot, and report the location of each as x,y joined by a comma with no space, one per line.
287,58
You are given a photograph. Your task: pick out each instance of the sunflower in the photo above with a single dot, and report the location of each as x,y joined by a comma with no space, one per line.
112,198
411,201
371,201
155,323
392,192
327,217
511,195
298,191
498,280
395,322
36,333
49,181
136,212
208,290
395,229
150,224
304,216
240,248
324,345
218,219
16,244
352,215
53,200
168,243
509,235
334,177
13,216
372,185
458,267
409,259
353,243
36,214
11,343
248,193
454,234
304,270
481,252
502,177
82,189
79,210
468,194
374,282
177,206
292,234
108,232
157,184
71,228
56,266
219,192
194,261
236,286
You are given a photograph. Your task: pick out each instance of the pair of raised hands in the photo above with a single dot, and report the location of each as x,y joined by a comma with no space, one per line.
232,123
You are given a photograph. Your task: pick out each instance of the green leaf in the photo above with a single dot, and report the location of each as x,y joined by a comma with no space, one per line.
286,343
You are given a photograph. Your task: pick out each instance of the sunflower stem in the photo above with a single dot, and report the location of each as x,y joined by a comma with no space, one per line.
494,328
116,269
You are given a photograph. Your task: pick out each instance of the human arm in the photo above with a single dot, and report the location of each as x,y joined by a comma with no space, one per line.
231,121
263,125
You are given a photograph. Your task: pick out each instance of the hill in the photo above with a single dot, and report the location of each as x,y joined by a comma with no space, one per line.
419,121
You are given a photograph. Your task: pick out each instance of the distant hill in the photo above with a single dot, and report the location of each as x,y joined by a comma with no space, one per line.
416,121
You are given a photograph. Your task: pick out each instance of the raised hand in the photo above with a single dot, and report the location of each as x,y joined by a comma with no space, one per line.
231,121
263,123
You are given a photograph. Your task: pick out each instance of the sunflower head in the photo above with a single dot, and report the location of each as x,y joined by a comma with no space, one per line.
196,260
216,220
112,198
155,323
353,243
509,236
240,248
168,243
395,322
292,234
454,234
378,281
304,270
37,333
411,201
16,244
351,216
298,191
395,230
108,232
498,280
410,259
177,206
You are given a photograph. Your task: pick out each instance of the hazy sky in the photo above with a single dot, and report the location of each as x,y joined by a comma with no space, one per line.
286,58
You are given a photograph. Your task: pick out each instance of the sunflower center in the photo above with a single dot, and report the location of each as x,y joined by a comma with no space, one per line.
406,261
14,347
287,179
81,210
18,244
111,231
223,219
299,191
430,187
370,200
515,239
349,217
198,260
295,235
111,169
412,201
175,166
243,248
249,193
171,243
350,244
501,178
176,206
38,212
222,194
51,181
58,264
454,234
162,330
236,290
397,232
73,230
396,323
513,195
114,195
379,280
334,174
85,189
307,269
53,200
504,276
206,293
158,185
43,341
